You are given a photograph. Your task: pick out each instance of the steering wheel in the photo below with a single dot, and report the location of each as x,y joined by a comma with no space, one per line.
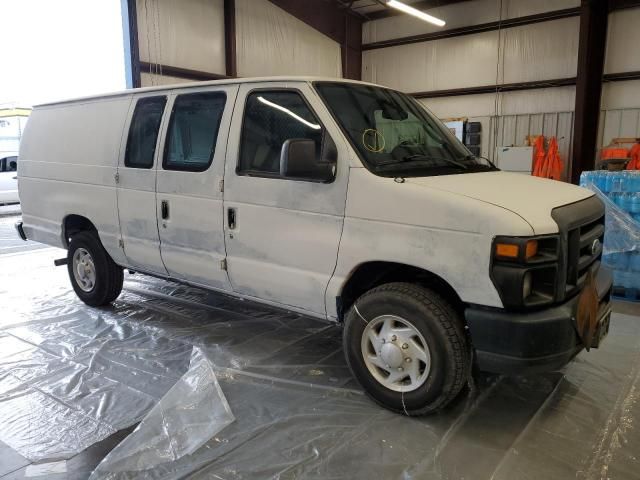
405,148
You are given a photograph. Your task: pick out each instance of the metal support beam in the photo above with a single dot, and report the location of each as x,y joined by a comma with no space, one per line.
591,50
133,49
325,17
506,87
351,48
619,77
514,87
230,57
623,4
185,73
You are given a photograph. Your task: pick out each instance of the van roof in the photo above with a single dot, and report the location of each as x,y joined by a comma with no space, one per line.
224,81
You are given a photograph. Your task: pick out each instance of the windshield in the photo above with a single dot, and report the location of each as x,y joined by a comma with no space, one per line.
394,135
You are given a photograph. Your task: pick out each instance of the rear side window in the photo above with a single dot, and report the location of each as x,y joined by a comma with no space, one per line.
143,133
193,130
270,119
9,164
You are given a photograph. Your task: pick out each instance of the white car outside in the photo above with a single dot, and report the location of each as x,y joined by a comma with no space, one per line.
8,180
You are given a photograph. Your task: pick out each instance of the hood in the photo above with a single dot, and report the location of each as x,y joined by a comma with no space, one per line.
529,197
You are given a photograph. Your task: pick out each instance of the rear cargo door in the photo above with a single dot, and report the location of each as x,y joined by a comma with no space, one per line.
190,187
137,184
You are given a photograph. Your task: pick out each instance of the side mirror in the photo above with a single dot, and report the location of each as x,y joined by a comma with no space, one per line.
298,160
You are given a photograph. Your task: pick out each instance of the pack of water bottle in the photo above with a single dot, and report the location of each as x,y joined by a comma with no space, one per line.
622,188
620,192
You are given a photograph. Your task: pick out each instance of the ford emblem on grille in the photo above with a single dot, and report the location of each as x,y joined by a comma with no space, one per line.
595,246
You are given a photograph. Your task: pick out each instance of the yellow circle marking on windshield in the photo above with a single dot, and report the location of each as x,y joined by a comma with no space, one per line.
376,135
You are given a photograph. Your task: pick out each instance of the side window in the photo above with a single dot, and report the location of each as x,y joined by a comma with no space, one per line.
193,130
271,118
143,132
9,164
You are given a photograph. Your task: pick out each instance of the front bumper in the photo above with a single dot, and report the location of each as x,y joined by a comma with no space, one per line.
529,342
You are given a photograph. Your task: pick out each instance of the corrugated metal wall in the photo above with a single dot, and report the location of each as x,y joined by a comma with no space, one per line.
539,51
513,130
618,123
545,112
533,52
459,15
187,34
620,115
269,41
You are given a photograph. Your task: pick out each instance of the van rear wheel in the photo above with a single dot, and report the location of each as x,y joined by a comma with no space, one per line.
95,277
406,346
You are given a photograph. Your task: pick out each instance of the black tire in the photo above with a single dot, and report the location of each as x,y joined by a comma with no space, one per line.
109,276
441,327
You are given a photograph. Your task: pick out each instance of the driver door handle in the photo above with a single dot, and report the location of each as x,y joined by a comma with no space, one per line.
164,208
231,218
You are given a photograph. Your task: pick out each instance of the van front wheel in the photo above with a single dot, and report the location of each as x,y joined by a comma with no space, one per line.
406,346
95,277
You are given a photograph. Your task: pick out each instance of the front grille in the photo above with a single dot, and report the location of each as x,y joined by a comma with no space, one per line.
580,224
582,253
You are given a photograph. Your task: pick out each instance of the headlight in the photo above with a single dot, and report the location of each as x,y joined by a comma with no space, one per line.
523,270
526,250
517,251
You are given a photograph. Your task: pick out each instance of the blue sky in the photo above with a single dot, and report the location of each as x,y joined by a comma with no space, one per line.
56,49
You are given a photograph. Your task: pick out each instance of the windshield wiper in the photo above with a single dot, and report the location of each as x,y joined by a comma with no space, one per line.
453,160
450,161
417,156
491,165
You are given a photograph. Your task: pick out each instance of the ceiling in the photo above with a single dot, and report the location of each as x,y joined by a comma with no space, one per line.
374,9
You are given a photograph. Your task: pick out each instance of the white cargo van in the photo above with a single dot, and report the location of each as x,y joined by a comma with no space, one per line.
337,199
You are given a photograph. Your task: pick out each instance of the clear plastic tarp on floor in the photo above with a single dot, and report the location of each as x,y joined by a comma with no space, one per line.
228,389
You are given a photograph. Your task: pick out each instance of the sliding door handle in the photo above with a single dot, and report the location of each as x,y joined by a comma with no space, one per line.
231,218
164,208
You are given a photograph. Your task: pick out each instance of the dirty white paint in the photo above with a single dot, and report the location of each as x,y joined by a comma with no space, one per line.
67,164
446,233
531,198
192,239
295,242
136,191
285,244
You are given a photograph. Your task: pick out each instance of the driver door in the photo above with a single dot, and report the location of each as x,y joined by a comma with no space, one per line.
281,234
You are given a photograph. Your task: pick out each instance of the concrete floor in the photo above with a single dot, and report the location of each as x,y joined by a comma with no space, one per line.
12,464
466,431
15,466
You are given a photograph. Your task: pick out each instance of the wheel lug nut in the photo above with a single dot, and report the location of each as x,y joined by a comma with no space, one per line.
400,369
408,360
405,346
394,338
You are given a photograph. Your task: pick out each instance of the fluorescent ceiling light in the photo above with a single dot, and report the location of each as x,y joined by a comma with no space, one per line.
403,7
315,126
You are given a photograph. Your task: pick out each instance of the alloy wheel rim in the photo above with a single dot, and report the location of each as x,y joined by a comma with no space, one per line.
396,353
84,270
